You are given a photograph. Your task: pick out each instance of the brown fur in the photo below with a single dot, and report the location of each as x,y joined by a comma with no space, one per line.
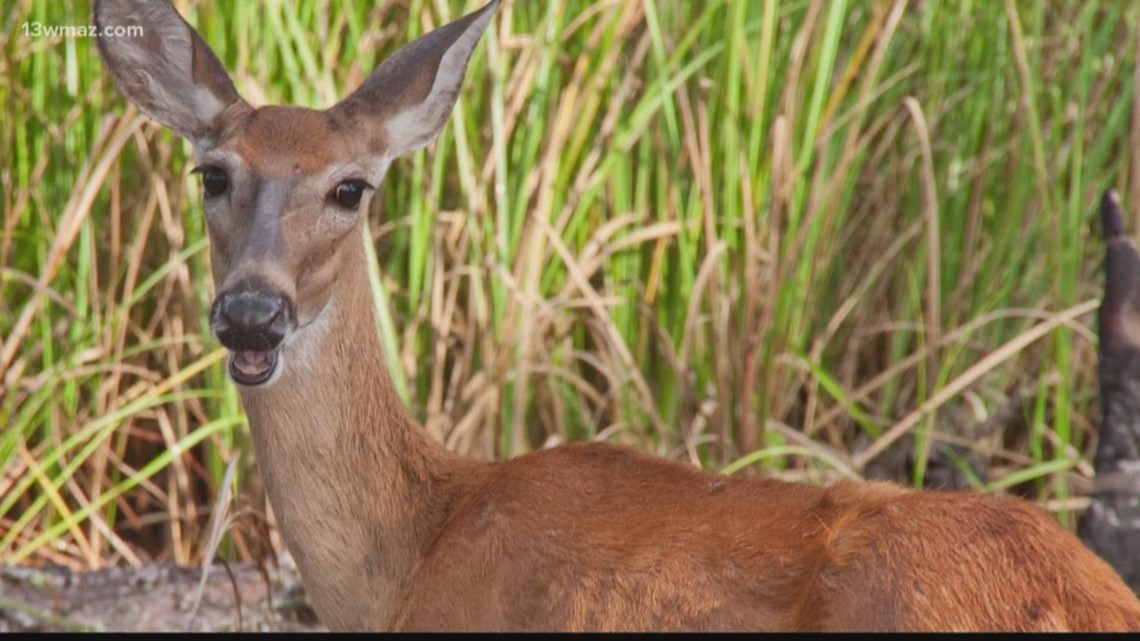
392,531
599,537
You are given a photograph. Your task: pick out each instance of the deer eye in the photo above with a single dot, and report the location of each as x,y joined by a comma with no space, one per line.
214,180
348,193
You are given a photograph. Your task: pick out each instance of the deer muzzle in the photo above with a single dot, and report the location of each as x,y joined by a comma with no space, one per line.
252,322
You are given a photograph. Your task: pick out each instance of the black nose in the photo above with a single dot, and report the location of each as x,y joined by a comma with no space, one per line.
250,321
251,312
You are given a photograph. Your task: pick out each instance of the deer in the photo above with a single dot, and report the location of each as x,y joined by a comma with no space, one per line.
390,530
1111,526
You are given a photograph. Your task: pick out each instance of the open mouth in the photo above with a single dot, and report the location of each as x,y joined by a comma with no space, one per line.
251,367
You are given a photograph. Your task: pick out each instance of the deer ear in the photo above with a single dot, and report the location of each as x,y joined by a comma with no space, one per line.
406,102
168,71
1120,307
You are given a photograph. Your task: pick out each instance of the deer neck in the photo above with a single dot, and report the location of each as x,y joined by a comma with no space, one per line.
357,487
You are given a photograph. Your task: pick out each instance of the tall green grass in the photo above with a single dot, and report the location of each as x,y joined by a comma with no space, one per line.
801,238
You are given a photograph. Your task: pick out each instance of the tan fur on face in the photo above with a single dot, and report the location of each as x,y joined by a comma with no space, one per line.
282,141
277,224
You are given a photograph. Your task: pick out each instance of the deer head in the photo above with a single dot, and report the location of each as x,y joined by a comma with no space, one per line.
283,186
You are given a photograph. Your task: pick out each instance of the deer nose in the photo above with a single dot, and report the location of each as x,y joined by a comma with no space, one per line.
251,312
250,321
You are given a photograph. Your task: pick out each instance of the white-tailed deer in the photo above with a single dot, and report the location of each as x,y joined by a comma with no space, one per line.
392,531
1111,527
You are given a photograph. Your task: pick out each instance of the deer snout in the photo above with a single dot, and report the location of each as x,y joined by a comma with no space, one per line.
252,323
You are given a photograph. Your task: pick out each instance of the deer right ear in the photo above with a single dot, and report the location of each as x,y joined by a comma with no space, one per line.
167,71
407,101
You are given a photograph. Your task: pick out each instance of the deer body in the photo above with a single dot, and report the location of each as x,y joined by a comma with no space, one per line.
392,531
598,537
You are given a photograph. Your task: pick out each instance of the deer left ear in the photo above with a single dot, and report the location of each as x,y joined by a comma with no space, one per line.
406,102
166,69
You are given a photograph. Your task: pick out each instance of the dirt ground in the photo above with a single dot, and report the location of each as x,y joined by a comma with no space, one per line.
156,598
